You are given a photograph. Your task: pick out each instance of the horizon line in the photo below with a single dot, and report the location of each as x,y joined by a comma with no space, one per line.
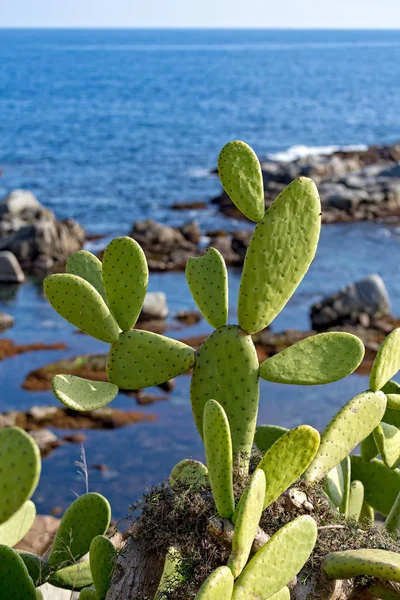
196,28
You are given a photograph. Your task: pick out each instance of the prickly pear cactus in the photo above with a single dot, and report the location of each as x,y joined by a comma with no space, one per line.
190,472
82,394
356,500
17,526
102,557
208,282
374,563
346,470
381,484
15,582
86,265
88,593
266,435
387,361
392,523
218,447
387,439
217,586
20,467
38,569
75,577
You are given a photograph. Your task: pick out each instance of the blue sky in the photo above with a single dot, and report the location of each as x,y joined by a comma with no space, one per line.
200,13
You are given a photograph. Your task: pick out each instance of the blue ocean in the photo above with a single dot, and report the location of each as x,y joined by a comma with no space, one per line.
113,126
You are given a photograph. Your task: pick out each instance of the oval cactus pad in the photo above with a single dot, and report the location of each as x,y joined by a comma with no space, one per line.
80,304
16,527
266,435
387,361
371,562
15,582
357,419
208,282
381,484
316,360
102,559
20,467
189,472
217,586
86,265
125,276
240,173
387,439
280,252
82,394
142,359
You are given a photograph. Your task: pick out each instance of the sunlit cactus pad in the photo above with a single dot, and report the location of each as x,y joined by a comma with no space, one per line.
81,305
387,439
240,173
83,394
387,361
75,577
276,563
315,360
334,485
102,558
88,594
217,586
125,276
279,254
18,525
20,467
266,435
208,282
15,583
189,472
357,419
374,563
283,594
392,523
142,359
381,484
356,500
88,516
368,447
287,459
88,266
226,370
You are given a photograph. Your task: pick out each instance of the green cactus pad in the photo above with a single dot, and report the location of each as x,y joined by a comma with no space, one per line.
218,447
283,594
218,586
392,391
81,305
357,419
208,282
368,447
86,265
276,563
125,276
392,523
379,591
287,459
38,569
39,595
334,485
190,472
387,439
387,361
240,173
75,577
367,512
142,359
88,516
88,593
82,394
226,370
356,500
102,557
316,360
171,575
381,484
370,562
20,467
18,525
247,517
280,251
393,401
346,471
15,583
266,435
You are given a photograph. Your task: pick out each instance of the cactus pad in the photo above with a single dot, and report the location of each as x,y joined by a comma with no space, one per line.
367,512
15,583
217,586
81,305
387,439
374,563
368,448
218,447
334,485
247,517
38,569
102,558
86,265
316,360
125,276
190,472
226,370
356,500
283,594
381,484
82,394
75,577
88,516
357,419
171,575
208,282
20,467
18,525
346,470
266,435
287,459
88,593
276,563
392,523
392,391
387,361
280,251
240,173
142,359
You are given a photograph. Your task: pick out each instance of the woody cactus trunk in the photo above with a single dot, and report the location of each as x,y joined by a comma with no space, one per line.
105,299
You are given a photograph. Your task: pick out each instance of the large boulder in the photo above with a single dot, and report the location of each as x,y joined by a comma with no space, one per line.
10,269
33,234
355,304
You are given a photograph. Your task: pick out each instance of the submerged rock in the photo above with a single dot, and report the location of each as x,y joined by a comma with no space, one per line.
10,269
6,321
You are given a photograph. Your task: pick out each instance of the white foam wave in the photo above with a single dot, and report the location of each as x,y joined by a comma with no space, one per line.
300,151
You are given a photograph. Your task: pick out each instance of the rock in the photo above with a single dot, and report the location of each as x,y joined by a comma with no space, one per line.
6,321
154,306
33,234
10,269
46,440
8,348
352,305
189,205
